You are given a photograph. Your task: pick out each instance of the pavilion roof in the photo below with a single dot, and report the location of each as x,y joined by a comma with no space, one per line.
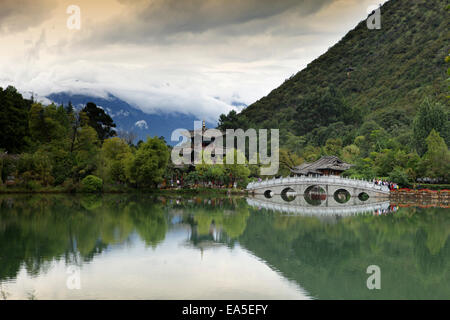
324,163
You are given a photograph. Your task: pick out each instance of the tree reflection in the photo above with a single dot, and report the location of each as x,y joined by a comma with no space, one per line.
329,258
326,257
149,221
36,230
216,220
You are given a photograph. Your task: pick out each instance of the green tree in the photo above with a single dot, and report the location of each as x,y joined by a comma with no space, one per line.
436,161
100,121
321,108
1,167
333,147
288,160
363,169
150,163
294,143
209,172
237,172
86,151
400,176
115,153
92,184
47,123
43,166
232,121
431,115
216,174
350,153
13,120
311,153
378,139
193,178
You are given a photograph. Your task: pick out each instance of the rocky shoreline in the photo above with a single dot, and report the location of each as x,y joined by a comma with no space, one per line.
421,197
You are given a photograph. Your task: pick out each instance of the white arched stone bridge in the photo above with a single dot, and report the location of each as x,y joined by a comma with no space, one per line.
326,190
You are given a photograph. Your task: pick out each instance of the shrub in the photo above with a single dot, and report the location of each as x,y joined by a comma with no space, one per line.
69,185
400,176
32,185
92,184
432,186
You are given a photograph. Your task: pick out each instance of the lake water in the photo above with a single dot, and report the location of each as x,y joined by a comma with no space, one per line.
144,247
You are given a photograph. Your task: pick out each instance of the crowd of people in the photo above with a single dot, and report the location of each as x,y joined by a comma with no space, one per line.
381,211
390,185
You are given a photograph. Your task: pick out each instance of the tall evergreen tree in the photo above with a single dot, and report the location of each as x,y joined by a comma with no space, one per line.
431,115
436,161
100,121
69,108
13,120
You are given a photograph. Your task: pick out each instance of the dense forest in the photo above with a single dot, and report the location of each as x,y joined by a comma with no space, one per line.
377,99
58,146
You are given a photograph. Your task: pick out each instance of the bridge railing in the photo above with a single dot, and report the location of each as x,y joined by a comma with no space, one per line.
364,184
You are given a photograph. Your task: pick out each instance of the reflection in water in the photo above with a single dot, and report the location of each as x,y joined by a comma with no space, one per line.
315,195
342,196
363,196
376,208
288,194
222,248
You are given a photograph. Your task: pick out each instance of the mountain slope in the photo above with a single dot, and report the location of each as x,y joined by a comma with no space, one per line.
381,74
130,119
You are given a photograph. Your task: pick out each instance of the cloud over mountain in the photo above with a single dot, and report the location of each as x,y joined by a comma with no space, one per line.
193,57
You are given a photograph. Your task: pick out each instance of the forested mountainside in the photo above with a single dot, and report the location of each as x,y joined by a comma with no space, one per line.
378,99
365,92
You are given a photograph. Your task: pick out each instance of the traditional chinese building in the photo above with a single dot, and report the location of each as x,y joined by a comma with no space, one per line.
201,135
325,166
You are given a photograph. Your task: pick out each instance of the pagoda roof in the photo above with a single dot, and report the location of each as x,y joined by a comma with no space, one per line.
324,163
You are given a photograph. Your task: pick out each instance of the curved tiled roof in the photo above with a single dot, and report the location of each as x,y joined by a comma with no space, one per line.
324,163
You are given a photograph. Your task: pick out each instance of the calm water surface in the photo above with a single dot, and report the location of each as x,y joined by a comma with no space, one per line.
143,247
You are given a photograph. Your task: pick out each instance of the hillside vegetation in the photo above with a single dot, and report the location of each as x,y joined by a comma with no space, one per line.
364,95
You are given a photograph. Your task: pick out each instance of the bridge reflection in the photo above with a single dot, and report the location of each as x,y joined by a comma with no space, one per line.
318,191
294,207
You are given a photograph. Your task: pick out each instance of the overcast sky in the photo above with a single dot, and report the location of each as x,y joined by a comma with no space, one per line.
191,56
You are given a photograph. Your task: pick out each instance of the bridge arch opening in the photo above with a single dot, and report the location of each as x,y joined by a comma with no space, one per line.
315,195
268,194
288,194
363,196
342,196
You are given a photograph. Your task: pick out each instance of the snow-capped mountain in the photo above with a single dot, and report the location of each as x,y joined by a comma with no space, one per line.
130,119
